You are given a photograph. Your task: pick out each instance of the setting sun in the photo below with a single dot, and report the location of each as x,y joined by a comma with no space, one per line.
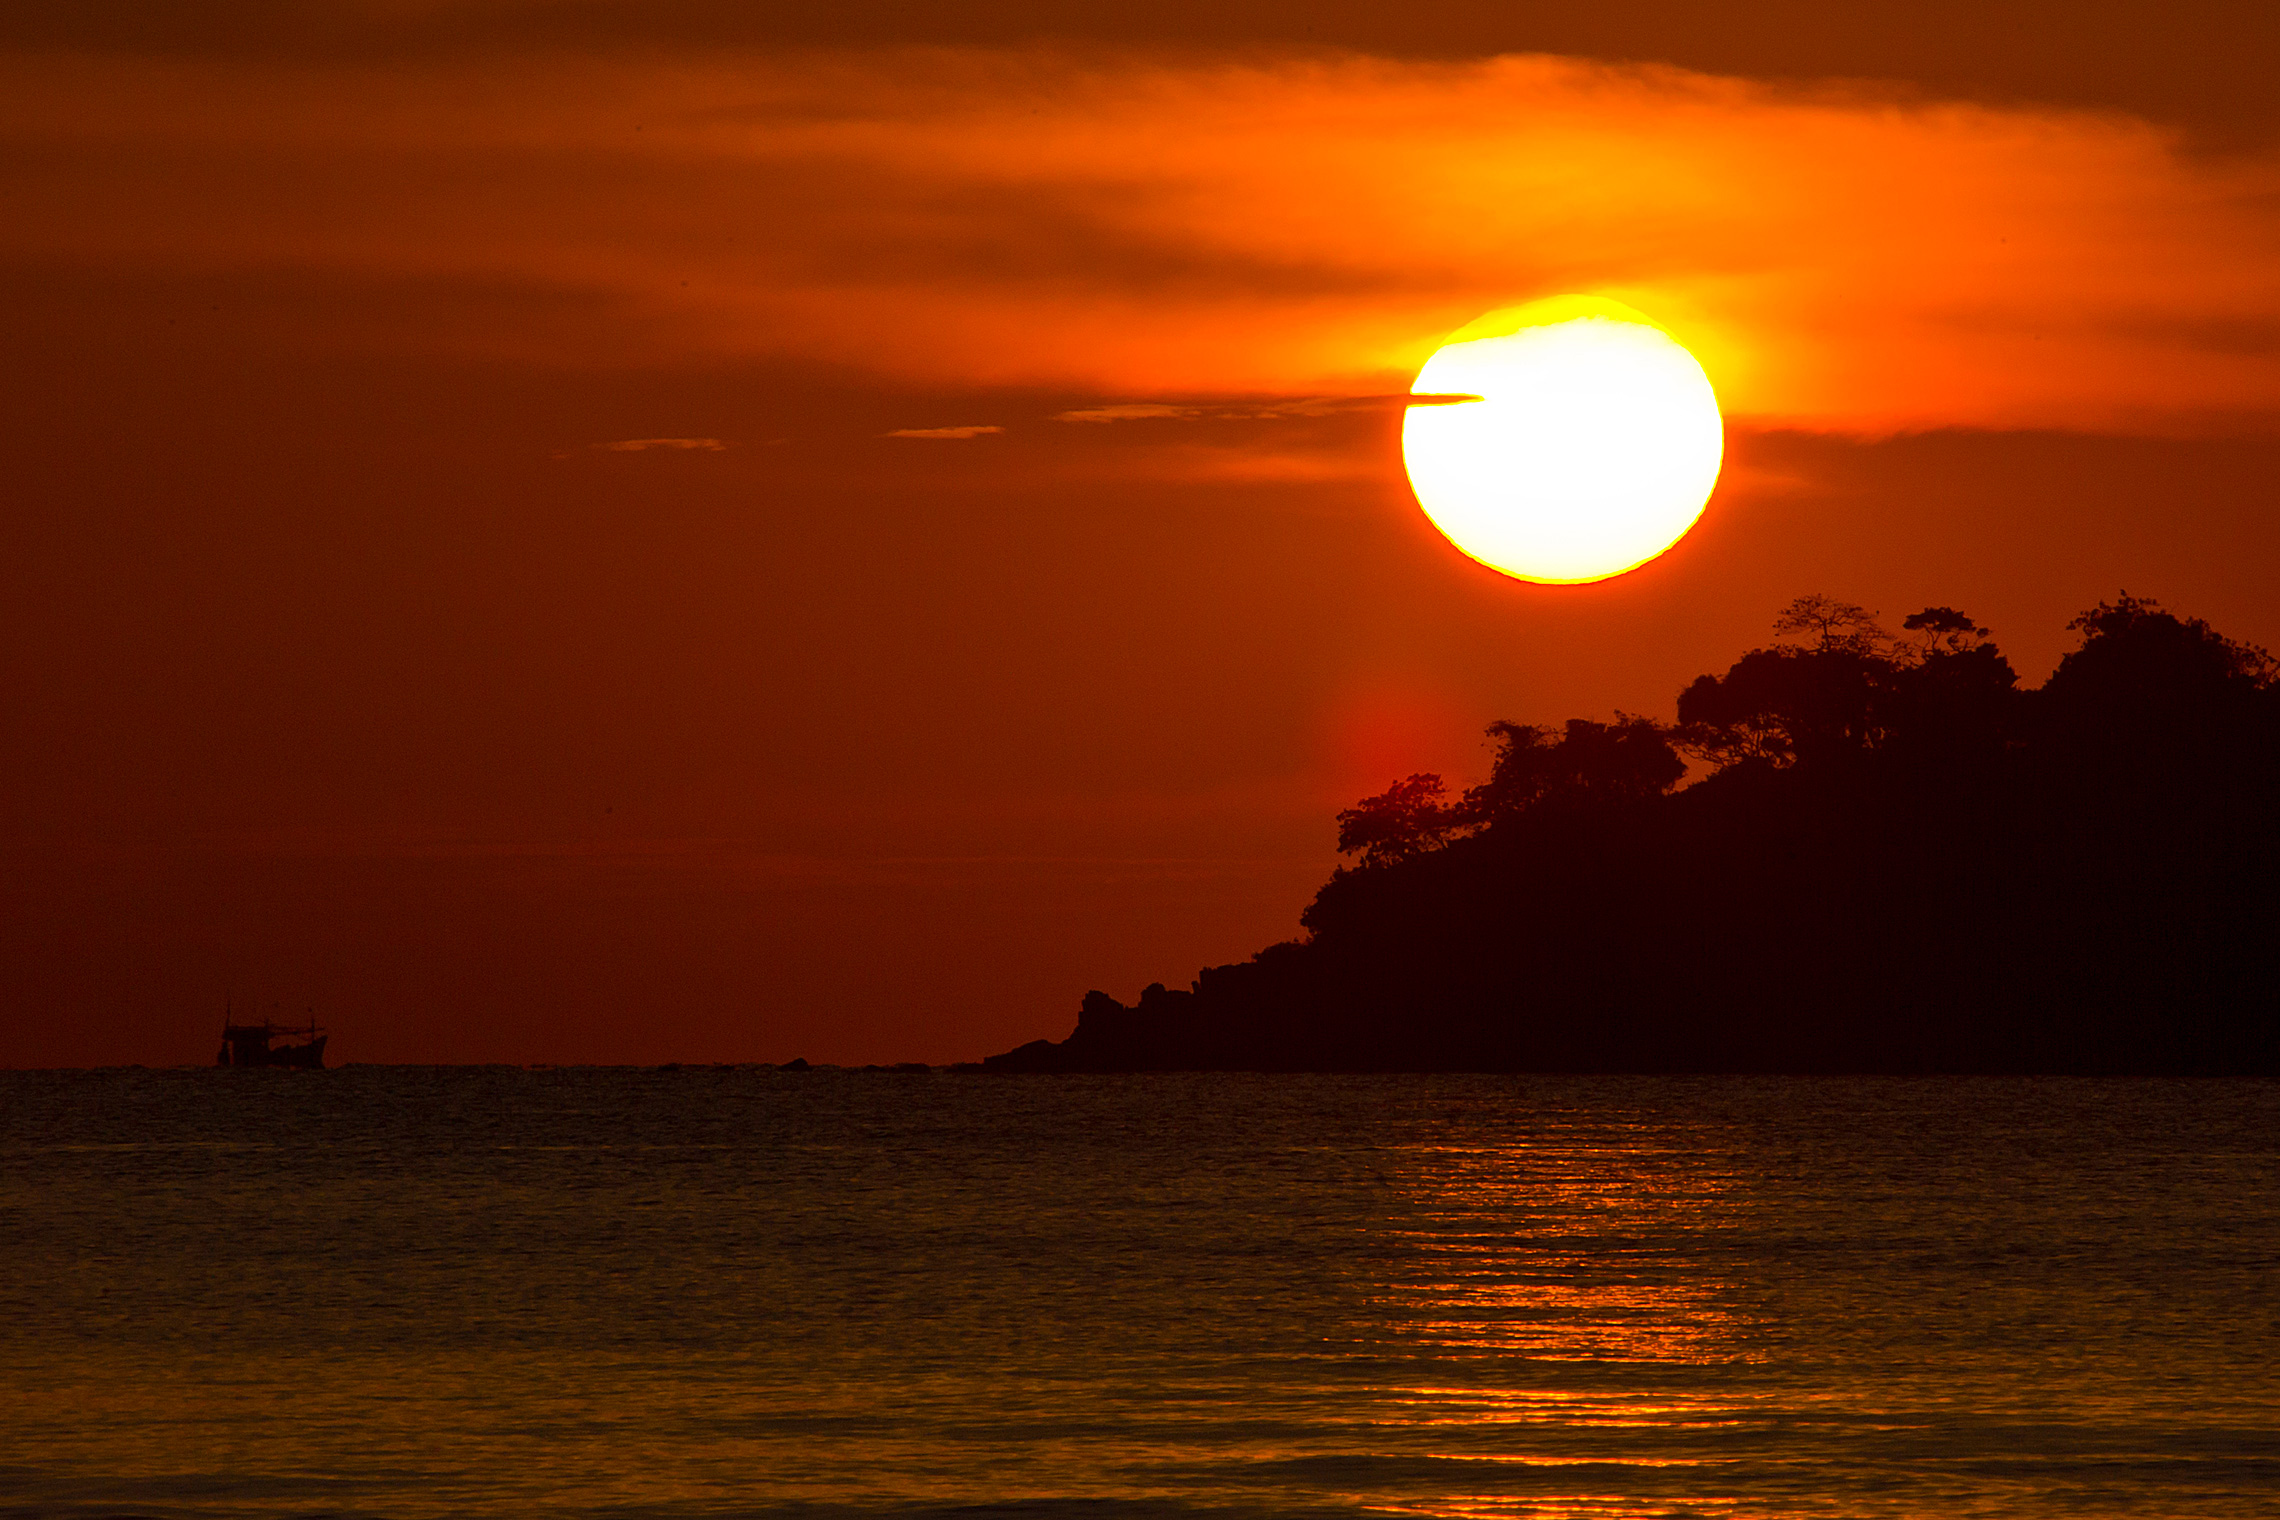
1592,447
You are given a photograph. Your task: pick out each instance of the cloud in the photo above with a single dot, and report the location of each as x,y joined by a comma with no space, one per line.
643,445
1840,259
943,432
1128,411
1300,406
1332,406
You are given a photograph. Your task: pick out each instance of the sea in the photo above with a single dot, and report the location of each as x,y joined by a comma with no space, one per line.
413,1292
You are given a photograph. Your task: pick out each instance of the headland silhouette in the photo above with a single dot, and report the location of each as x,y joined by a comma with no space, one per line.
1898,860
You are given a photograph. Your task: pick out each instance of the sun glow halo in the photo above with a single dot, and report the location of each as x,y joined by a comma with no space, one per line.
1591,450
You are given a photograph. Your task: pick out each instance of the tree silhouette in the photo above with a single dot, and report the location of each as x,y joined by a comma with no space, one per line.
1404,820
2132,650
1833,624
1792,703
1627,760
1943,630
1788,705
1956,702
1852,690
2151,691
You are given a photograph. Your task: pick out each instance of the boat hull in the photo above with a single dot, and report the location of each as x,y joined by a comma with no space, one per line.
248,1045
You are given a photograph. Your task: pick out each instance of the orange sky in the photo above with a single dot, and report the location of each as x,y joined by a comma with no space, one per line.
1847,257
586,532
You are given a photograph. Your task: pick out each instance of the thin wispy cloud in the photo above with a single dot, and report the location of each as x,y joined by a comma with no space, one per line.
1332,406
1129,411
1302,406
944,432
679,445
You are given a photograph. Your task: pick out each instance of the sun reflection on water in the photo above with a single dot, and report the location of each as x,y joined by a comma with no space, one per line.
1562,1306
1600,1253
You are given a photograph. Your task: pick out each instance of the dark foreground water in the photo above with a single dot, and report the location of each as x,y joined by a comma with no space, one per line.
623,1293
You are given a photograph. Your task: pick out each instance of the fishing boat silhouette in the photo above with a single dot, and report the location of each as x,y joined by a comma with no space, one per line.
252,1044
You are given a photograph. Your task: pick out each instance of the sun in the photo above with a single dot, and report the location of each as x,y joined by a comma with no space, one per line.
1591,448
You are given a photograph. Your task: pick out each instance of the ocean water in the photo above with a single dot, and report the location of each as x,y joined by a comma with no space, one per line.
409,1292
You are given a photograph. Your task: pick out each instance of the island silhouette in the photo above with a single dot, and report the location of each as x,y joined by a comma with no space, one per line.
1894,859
